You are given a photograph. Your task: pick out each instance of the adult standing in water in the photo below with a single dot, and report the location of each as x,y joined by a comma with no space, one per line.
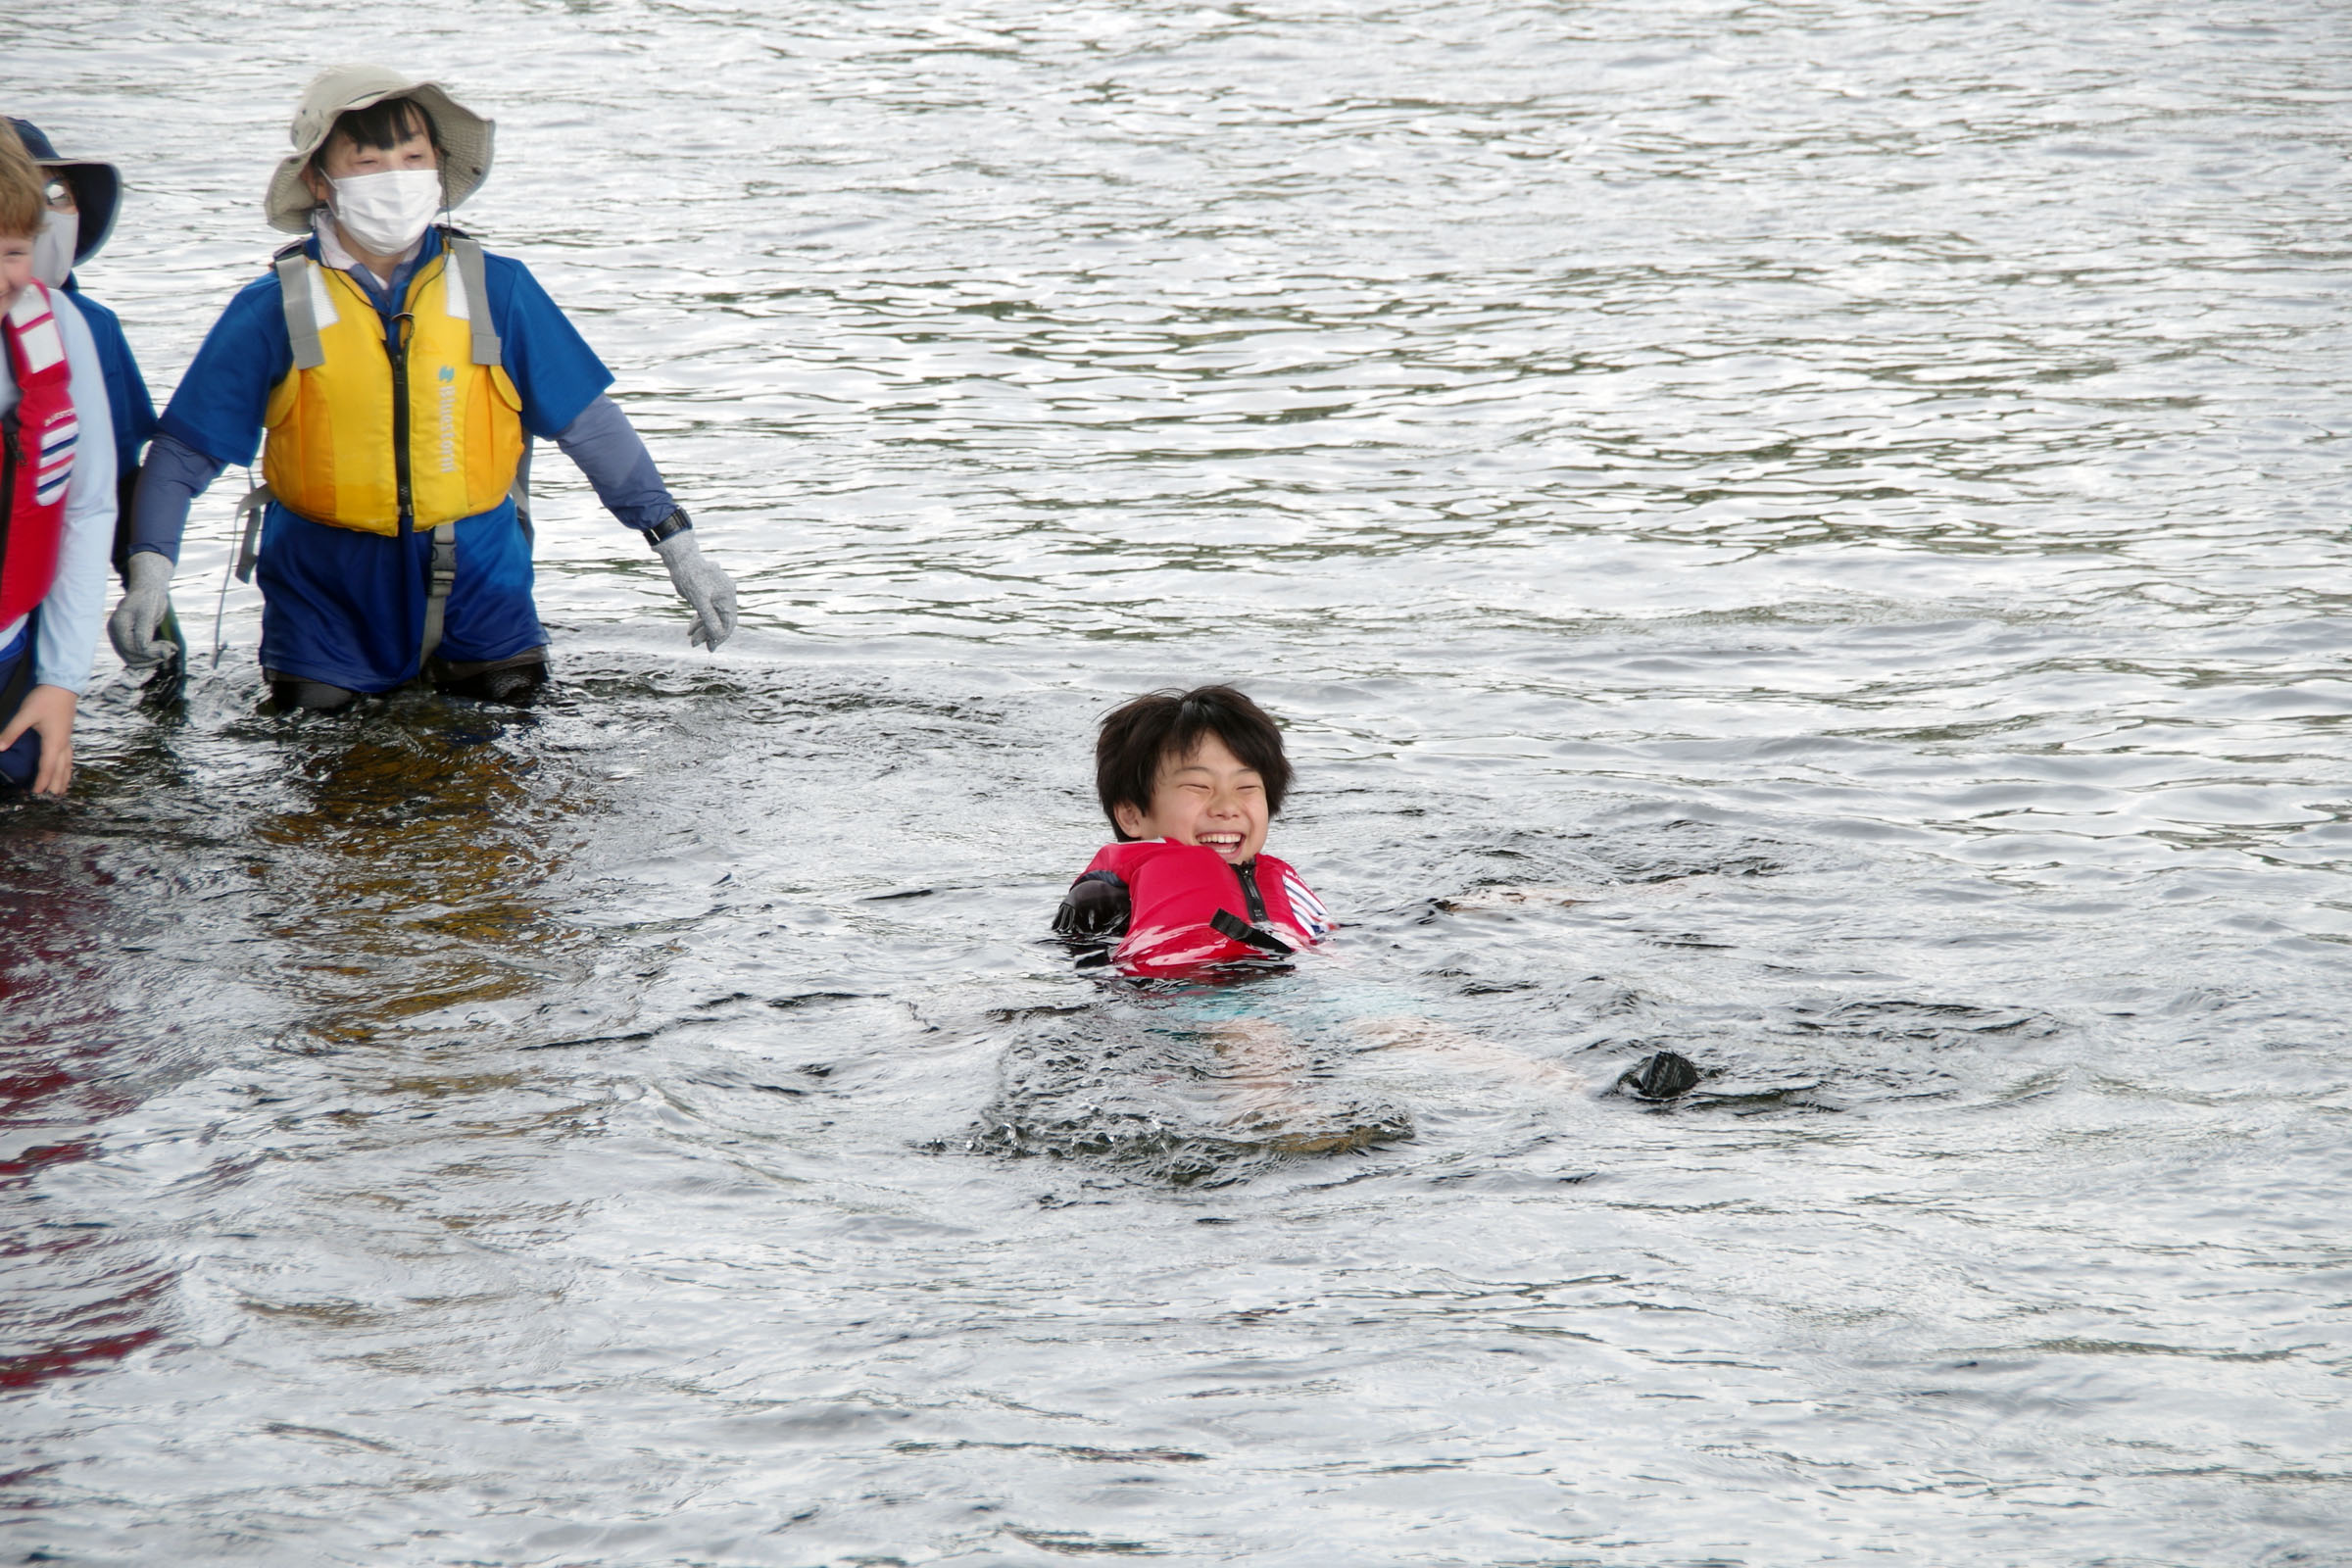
56,496
392,373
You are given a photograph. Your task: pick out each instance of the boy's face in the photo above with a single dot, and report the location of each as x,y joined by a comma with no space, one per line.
15,266
1207,797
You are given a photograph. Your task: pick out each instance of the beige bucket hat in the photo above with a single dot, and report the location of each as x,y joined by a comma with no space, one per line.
463,135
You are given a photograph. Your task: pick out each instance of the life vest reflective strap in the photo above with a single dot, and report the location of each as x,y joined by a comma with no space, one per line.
473,279
441,573
473,283
303,296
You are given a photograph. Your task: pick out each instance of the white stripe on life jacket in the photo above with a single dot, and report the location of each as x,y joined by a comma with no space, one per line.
1306,904
53,464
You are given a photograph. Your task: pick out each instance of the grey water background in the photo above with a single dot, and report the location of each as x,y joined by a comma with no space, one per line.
1808,534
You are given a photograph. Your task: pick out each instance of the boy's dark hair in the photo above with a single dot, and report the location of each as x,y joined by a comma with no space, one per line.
1139,737
381,128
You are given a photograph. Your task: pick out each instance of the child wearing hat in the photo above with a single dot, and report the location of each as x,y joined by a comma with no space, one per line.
56,495
84,195
392,373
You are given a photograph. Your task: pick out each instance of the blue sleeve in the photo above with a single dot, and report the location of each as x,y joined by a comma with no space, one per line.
219,407
552,365
168,485
608,451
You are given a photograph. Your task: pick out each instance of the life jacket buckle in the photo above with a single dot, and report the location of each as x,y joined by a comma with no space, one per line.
441,572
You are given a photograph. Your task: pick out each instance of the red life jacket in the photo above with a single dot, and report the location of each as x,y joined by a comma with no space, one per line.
1190,909
36,453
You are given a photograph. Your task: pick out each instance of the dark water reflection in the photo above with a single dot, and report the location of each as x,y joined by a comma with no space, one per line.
1805,536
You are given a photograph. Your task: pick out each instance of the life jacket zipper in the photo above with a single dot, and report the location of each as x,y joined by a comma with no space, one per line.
397,347
1247,872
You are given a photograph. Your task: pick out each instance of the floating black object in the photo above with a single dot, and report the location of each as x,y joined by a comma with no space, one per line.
1661,1077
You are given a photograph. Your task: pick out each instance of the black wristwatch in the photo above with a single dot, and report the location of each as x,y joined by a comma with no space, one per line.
676,523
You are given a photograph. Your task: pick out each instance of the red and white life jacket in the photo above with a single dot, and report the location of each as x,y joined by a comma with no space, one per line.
36,453
1178,891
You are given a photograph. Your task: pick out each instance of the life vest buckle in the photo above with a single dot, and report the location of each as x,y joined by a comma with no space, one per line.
441,572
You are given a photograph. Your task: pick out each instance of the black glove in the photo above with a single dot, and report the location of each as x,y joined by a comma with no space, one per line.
1095,908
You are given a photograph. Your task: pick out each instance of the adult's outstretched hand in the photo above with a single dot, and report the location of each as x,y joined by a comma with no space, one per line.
710,591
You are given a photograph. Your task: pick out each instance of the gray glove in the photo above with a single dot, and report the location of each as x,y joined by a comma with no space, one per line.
711,591
137,618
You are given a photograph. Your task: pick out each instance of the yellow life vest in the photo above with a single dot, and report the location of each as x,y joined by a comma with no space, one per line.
333,453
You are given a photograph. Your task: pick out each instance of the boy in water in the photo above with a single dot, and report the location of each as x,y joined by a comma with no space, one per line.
1190,781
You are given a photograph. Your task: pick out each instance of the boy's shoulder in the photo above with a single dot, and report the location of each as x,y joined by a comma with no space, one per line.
1128,857
1131,855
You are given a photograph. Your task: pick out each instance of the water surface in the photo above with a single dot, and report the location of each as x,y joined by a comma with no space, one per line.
1805,534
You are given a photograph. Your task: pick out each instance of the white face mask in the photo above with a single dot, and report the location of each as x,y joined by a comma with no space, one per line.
53,246
387,212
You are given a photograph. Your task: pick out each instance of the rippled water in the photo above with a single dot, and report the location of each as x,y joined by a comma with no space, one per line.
1808,534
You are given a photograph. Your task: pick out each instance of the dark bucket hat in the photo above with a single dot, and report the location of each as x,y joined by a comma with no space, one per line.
97,187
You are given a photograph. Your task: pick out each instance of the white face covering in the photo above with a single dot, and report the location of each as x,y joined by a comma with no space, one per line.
53,246
390,212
